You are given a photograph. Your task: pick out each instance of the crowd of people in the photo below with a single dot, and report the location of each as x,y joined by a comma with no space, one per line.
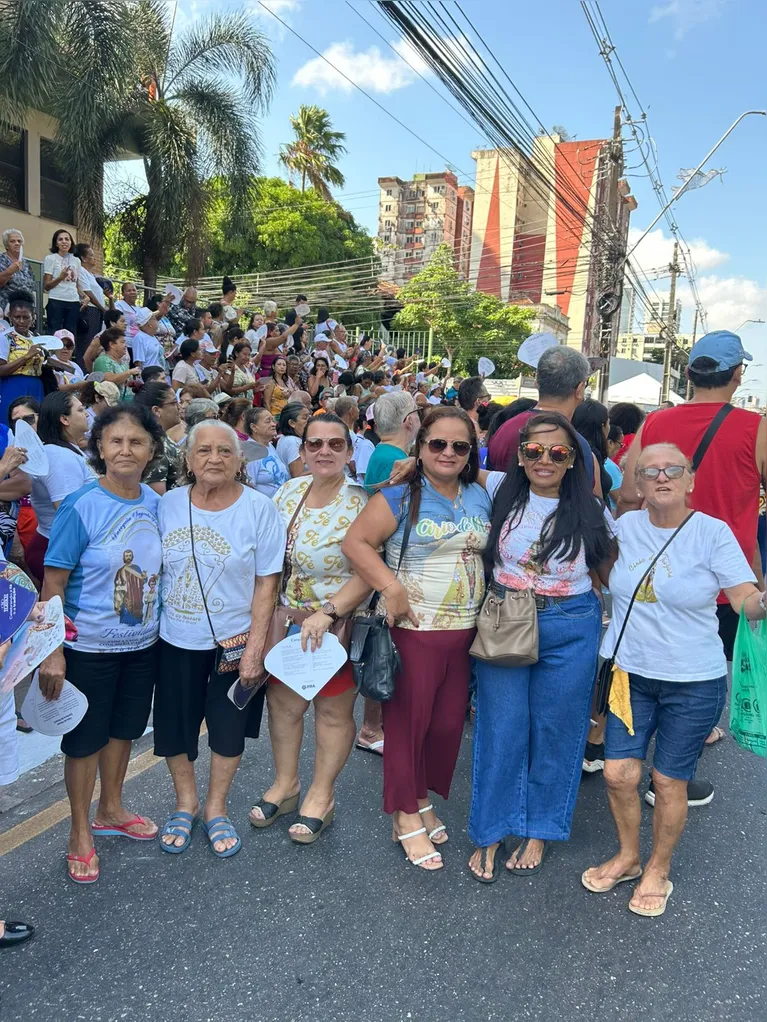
212,481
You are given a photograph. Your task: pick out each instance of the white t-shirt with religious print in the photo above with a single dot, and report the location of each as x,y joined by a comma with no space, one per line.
519,548
231,548
672,632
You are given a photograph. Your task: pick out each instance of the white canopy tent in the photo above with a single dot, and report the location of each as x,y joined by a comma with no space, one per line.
640,390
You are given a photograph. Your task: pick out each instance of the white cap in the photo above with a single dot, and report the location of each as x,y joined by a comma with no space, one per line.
143,315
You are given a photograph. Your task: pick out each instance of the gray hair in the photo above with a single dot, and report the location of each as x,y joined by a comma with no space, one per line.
7,235
301,397
561,371
391,410
192,439
344,405
270,308
198,410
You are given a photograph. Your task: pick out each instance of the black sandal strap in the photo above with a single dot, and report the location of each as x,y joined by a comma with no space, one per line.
312,823
268,809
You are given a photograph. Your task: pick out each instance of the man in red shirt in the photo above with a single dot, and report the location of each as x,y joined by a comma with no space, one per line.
728,478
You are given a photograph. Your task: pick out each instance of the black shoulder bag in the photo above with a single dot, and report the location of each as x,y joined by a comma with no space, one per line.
605,673
708,436
372,652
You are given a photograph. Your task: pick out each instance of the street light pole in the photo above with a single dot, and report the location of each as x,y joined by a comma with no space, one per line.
686,185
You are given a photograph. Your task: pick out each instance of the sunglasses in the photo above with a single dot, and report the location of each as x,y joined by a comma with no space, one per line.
670,472
559,453
315,444
31,419
460,447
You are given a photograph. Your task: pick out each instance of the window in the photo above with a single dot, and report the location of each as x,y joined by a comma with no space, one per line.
12,167
408,225
55,197
409,239
411,209
389,192
387,209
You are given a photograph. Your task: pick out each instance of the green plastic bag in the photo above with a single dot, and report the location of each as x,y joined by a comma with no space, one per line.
748,704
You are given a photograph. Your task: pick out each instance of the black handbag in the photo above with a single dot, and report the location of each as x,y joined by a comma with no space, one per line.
605,672
374,657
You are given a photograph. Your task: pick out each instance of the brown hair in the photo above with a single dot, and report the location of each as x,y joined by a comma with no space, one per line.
468,473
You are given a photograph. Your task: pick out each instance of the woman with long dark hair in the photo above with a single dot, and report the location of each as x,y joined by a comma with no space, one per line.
550,534
278,387
62,425
436,526
590,419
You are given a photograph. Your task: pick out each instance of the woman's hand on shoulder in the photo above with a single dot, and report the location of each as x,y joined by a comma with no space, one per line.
402,472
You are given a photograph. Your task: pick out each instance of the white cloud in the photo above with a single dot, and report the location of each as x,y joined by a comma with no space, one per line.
728,301
280,7
371,69
686,14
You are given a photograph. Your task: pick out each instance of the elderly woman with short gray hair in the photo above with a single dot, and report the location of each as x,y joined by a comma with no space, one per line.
223,548
198,410
15,274
397,424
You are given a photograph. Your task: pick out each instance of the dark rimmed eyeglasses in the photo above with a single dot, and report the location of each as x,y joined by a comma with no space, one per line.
31,419
559,453
460,447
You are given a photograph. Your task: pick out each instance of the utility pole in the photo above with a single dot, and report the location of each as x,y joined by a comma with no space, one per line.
694,335
612,269
670,327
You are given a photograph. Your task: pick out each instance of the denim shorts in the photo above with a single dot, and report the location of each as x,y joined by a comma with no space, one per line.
680,714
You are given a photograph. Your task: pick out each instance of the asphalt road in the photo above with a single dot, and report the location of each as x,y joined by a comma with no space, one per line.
345,930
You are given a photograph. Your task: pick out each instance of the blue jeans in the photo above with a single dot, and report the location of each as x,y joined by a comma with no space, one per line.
531,727
679,713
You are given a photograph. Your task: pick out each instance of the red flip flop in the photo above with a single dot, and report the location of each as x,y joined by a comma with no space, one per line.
87,859
121,830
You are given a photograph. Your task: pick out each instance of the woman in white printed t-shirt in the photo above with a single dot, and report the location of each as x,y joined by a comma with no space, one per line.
675,662
62,426
60,272
91,318
219,583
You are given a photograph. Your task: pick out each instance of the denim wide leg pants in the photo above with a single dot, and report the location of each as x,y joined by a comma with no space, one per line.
531,727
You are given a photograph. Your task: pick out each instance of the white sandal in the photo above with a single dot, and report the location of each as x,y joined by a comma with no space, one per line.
423,858
441,829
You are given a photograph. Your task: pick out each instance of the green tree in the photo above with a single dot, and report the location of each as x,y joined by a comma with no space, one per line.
312,154
283,229
119,79
467,324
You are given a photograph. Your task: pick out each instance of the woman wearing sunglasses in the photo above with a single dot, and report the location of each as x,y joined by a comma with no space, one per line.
549,534
431,599
317,510
675,662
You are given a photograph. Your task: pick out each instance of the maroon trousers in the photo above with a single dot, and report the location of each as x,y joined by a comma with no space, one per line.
423,722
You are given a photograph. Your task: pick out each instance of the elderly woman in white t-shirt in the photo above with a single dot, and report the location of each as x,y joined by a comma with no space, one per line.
219,583
674,659
60,272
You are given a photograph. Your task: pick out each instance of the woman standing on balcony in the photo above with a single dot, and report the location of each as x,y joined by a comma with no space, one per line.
60,272
15,273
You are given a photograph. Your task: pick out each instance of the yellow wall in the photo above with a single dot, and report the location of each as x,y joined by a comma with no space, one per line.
37,230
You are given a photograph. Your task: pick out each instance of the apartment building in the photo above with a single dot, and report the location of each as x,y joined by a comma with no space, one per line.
415,217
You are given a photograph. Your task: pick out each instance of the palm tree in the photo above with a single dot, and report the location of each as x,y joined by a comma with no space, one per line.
315,146
120,80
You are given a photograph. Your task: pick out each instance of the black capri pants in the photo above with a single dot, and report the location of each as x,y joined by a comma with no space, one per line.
118,687
189,691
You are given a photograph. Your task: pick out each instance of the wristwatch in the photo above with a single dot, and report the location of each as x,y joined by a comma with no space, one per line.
330,611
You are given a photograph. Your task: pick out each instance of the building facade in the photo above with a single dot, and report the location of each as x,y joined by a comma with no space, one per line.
640,347
415,217
658,315
530,242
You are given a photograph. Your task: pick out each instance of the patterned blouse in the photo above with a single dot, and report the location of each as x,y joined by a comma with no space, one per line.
22,280
315,568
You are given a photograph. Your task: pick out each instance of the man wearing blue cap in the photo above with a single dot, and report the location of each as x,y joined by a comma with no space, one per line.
729,447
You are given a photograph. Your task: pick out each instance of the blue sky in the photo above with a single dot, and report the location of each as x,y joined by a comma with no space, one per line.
695,64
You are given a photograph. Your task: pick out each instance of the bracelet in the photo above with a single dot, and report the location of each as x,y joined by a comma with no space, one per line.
389,584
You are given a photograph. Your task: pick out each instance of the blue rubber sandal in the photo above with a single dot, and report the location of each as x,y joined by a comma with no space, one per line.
218,829
179,824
